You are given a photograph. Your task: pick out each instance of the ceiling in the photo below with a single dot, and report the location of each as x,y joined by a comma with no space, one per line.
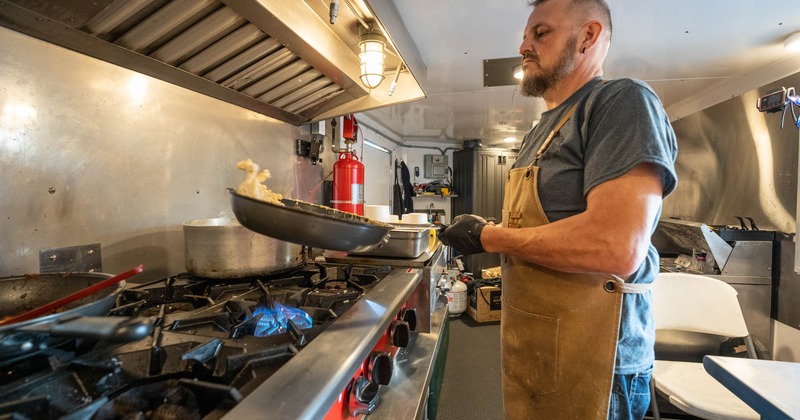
680,47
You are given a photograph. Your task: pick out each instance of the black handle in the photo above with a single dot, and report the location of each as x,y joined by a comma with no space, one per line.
399,333
409,315
112,328
380,368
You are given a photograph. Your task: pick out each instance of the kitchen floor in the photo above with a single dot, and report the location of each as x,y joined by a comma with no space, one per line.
471,380
471,387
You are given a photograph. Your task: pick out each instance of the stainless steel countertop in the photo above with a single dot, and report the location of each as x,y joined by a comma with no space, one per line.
307,386
406,394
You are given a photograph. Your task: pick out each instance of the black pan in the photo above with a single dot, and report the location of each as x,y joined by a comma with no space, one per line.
310,224
24,293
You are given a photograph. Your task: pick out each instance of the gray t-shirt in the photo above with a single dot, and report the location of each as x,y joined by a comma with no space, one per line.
616,126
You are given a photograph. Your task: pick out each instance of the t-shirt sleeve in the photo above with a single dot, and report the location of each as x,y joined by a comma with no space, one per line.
627,126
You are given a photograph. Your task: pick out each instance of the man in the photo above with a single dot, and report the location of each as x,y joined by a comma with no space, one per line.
580,205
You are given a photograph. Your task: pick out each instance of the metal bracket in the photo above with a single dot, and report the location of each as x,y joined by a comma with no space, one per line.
79,258
310,149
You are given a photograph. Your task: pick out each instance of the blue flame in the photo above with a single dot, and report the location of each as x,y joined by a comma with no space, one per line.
274,321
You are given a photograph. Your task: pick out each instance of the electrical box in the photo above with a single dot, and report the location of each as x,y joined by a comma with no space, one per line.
436,166
317,127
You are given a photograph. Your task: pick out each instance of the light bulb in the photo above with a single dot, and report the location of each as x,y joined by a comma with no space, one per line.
372,57
792,42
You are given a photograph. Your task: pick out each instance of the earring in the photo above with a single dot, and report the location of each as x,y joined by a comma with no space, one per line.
583,50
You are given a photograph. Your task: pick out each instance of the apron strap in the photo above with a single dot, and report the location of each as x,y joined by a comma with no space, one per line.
617,284
554,133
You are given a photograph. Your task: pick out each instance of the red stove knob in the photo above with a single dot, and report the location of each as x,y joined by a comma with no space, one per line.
410,315
399,333
380,368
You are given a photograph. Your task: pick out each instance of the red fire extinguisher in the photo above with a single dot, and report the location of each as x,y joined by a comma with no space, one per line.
348,173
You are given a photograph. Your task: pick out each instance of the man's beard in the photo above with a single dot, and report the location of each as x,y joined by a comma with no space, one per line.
538,85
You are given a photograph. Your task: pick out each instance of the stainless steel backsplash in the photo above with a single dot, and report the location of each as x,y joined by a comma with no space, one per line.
736,161
94,153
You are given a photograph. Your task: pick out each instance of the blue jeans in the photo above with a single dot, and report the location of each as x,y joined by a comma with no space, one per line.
630,396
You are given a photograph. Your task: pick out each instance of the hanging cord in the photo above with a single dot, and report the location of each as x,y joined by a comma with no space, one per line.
449,177
791,100
511,112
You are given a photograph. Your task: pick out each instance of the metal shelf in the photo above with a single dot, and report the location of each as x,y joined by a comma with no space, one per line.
436,195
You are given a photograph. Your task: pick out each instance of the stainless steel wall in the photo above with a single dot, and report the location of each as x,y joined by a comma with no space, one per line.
91,152
736,161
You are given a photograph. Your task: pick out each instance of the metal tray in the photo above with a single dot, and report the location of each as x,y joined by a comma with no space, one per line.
309,224
404,242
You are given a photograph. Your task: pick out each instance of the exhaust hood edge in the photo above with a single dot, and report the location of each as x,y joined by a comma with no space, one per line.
360,105
301,32
299,29
21,20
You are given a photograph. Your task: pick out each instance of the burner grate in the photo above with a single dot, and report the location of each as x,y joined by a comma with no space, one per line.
202,353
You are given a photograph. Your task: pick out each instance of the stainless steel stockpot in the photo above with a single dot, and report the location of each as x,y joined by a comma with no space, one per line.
221,248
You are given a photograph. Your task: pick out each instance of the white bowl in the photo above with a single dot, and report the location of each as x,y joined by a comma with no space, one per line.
415,218
377,212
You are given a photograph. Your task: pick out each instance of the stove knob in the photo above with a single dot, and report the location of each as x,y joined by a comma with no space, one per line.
410,316
399,333
380,368
364,397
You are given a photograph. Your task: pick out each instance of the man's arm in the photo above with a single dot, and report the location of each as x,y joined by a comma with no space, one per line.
611,236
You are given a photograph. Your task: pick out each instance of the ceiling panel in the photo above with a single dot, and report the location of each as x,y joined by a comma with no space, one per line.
680,47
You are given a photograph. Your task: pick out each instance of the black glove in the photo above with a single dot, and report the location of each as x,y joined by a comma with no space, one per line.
464,234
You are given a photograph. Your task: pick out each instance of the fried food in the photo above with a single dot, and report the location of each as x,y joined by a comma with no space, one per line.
253,184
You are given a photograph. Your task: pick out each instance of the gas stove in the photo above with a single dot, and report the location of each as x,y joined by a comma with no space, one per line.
316,342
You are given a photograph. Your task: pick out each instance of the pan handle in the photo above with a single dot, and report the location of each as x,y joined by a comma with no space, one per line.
118,329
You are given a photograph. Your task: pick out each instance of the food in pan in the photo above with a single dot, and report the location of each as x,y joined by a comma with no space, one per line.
253,184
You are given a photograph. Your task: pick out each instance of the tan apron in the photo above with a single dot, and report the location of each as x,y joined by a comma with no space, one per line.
559,330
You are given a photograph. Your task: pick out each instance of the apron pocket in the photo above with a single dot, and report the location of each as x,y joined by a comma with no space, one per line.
530,349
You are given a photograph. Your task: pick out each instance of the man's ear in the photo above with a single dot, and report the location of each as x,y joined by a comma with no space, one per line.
590,35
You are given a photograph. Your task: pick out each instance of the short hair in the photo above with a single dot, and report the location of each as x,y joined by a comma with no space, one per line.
599,7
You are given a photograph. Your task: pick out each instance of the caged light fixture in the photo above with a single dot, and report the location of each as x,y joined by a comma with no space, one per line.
372,45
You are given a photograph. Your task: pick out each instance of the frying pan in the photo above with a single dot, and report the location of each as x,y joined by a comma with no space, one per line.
24,293
309,224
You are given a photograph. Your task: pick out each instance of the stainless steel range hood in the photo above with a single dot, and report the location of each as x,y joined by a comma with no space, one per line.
281,58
